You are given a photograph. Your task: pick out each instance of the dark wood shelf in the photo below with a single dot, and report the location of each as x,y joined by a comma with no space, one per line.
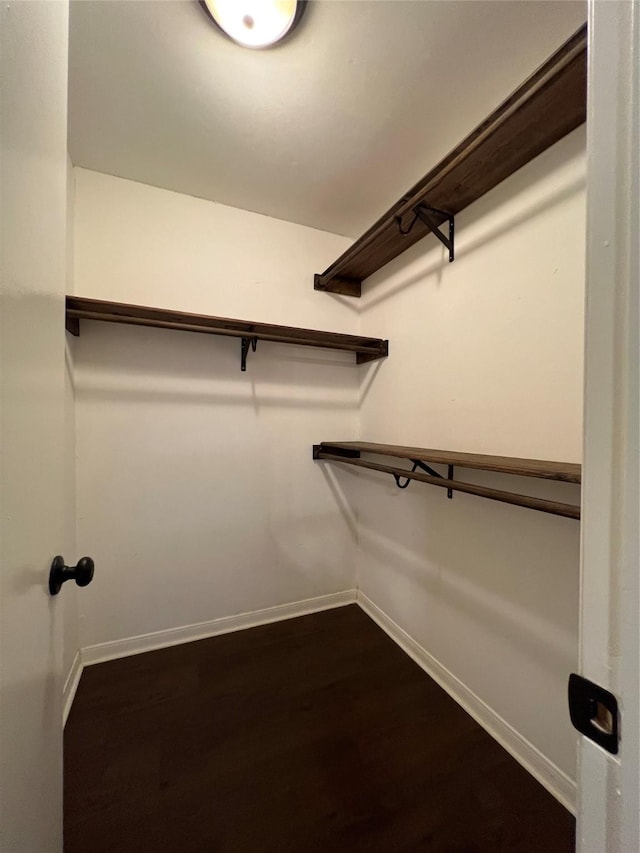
569,472
348,452
79,308
547,106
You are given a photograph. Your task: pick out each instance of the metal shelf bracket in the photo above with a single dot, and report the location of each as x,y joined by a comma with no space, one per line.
427,470
244,351
428,215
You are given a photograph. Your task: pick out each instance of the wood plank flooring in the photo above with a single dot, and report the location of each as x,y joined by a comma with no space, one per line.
314,734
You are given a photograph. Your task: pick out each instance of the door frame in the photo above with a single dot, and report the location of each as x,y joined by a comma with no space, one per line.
608,785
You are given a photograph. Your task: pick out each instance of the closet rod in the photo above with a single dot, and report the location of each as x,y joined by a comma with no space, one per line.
541,504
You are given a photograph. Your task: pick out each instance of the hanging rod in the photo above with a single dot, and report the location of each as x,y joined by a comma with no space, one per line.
348,454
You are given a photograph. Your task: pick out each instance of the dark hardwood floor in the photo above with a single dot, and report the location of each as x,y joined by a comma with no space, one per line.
315,734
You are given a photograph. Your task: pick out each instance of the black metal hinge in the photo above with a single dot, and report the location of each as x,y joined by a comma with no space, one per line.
594,712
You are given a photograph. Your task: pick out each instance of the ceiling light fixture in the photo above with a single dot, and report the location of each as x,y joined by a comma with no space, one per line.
255,23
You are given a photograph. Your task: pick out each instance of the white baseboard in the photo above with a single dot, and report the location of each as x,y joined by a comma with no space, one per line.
200,631
545,771
70,687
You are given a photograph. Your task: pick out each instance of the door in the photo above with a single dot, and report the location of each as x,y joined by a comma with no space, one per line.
608,784
33,131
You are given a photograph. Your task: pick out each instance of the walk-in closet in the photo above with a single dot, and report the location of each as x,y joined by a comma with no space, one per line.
319,430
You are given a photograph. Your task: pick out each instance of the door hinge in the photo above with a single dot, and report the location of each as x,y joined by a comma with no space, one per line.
594,712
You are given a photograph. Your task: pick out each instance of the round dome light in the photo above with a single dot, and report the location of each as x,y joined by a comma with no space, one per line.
255,23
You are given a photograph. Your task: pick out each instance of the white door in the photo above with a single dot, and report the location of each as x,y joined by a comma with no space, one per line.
608,784
33,130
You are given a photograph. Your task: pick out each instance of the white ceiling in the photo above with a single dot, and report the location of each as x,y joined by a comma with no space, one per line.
328,129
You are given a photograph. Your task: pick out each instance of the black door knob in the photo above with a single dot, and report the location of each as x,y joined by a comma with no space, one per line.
82,574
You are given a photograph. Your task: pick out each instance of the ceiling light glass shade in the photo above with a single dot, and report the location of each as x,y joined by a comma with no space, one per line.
254,23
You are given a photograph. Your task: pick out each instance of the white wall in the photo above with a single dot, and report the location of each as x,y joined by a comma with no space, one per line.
197,495
485,356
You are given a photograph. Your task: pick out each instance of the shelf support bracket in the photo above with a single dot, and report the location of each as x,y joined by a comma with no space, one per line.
244,351
416,464
335,451
427,470
72,325
428,215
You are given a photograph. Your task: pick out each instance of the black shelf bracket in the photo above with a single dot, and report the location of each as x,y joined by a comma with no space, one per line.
244,351
427,470
336,451
416,464
428,216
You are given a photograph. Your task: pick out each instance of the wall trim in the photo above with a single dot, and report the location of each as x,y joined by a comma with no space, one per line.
70,686
535,762
224,625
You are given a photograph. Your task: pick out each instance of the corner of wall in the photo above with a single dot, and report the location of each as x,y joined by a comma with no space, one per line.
550,776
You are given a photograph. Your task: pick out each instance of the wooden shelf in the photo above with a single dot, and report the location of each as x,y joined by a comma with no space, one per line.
78,308
569,472
547,106
348,452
